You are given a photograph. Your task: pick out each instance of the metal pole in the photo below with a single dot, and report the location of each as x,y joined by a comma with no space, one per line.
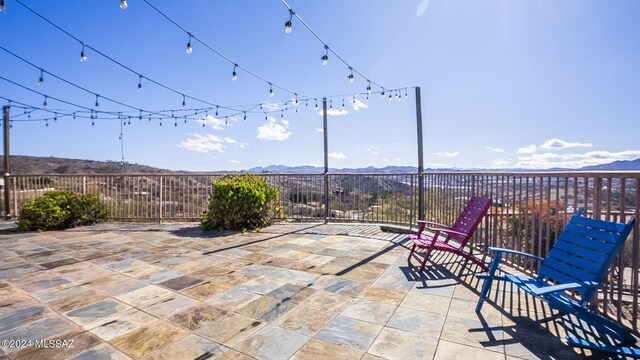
326,161
421,214
7,209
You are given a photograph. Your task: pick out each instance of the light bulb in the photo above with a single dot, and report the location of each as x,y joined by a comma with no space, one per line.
3,5
123,4
83,55
325,57
234,75
189,48
41,78
271,93
350,77
288,26
368,87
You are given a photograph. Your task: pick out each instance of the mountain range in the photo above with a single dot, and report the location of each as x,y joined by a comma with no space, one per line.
50,165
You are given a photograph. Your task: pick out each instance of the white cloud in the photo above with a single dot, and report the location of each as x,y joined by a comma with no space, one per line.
557,144
229,140
357,105
273,131
285,122
215,123
447,153
498,163
549,160
273,106
243,145
435,165
234,161
319,129
334,112
337,155
203,143
373,150
527,149
492,149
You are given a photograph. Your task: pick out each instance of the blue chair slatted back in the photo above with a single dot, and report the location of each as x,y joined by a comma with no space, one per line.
584,252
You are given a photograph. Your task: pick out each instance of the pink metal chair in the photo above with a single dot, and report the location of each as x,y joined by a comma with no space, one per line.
440,236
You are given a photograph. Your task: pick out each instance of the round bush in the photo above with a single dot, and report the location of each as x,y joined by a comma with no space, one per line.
241,202
56,210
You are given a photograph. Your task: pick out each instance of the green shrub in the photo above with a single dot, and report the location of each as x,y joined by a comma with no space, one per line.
56,210
242,202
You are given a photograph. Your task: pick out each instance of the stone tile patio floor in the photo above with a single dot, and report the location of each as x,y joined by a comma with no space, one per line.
291,291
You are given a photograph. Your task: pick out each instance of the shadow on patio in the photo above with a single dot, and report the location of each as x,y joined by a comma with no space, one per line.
300,291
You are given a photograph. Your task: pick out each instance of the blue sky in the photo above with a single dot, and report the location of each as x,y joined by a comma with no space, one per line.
505,83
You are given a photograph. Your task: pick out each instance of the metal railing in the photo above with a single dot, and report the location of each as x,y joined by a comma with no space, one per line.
530,209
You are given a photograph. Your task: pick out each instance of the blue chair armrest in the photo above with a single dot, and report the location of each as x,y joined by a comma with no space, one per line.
515,252
562,287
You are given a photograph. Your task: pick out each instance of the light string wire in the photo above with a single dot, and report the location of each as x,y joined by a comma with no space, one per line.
251,108
139,74
234,63
328,48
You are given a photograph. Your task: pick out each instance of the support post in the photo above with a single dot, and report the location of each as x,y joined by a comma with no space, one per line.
421,214
160,196
7,163
326,161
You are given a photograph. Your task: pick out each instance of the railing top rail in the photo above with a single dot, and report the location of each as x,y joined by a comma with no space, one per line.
619,174
605,174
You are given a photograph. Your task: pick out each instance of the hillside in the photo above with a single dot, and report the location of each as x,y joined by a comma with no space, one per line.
50,165
623,165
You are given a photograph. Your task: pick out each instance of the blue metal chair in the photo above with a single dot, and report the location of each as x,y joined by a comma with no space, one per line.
579,261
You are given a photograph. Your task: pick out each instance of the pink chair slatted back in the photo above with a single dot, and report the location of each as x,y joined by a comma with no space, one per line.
470,218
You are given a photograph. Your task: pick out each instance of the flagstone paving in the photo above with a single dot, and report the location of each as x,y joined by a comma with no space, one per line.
290,291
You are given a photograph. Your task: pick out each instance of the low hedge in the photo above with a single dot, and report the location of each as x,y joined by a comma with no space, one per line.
242,202
57,210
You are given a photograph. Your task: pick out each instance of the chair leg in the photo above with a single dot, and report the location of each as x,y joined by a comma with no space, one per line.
413,250
424,261
487,282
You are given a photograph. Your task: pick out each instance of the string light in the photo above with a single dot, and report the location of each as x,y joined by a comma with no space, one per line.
44,103
316,103
97,101
271,93
234,75
216,111
123,4
245,116
368,87
41,78
83,55
382,93
189,48
350,77
3,5
184,101
325,57
288,26
139,83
